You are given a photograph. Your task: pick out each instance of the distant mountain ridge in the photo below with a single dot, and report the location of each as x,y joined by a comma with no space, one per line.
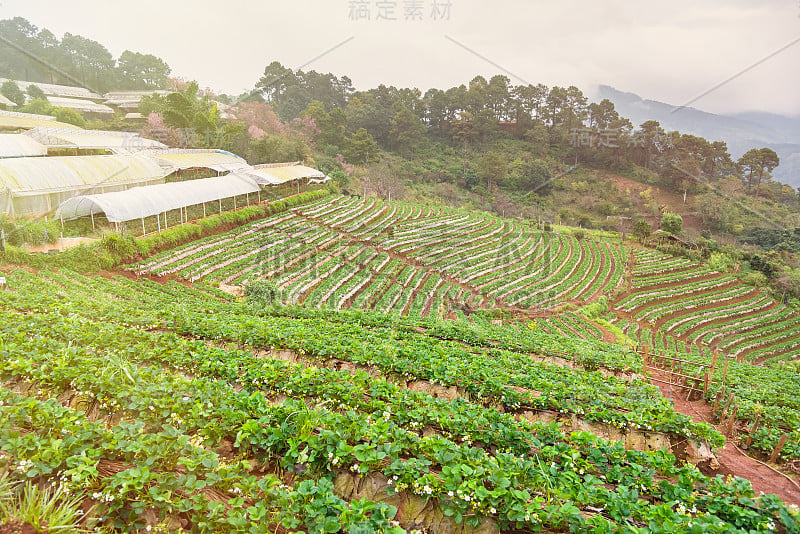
741,131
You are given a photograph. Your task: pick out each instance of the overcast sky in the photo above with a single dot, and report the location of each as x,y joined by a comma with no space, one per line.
669,51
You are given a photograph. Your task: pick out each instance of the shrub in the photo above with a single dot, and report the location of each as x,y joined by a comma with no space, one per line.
262,293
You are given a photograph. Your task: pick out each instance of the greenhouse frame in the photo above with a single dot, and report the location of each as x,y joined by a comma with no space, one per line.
139,203
80,140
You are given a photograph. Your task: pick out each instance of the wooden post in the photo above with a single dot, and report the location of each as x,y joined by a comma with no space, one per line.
706,382
204,210
220,205
695,384
143,229
158,218
752,431
725,371
116,227
717,397
727,405
731,421
234,202
91,214
778,448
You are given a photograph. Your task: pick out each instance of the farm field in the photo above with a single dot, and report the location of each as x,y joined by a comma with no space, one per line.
349,253
189,406
346,253
427,370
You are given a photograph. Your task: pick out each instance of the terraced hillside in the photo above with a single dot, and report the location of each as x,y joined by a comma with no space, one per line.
697,305
345,252
179,406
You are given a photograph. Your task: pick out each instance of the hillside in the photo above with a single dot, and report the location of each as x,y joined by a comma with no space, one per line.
740,131
316,309
313,418
352,253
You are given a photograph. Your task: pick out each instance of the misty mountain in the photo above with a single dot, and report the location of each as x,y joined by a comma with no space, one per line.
742,131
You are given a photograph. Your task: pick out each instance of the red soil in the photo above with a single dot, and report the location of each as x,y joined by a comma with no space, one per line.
732,460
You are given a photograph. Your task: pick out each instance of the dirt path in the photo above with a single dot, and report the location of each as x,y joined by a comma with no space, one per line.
732,460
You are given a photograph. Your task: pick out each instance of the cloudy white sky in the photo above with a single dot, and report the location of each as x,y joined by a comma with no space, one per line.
669,51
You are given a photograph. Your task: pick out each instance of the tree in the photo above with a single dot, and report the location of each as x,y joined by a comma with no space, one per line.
757,165
361,148
407,131
492,167
671,223
143,71
12,91
535,176
69,116
34,91
602,115
641,230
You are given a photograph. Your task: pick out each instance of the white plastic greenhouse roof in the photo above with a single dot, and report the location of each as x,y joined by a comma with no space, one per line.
6,102
51,89
119,142
280,174
25,121
147,201
80,105
34,176
218,160
20,146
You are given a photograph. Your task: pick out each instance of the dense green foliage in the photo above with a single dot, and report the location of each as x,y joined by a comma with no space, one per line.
85,62
169,401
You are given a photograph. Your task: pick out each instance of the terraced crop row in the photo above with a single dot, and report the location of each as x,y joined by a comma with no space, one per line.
708,309
129,387
344,252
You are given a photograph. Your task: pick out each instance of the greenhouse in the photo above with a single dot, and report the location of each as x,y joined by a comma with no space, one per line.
69,139
80,105
36,186
139,203
13,120
20,146
282,176
6,103
219,161
51,89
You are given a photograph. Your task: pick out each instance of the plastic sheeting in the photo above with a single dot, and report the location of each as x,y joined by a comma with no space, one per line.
13,120
275,175
20,146
217,160
6,102
140,202
32,176
51,89
118,142
82,106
